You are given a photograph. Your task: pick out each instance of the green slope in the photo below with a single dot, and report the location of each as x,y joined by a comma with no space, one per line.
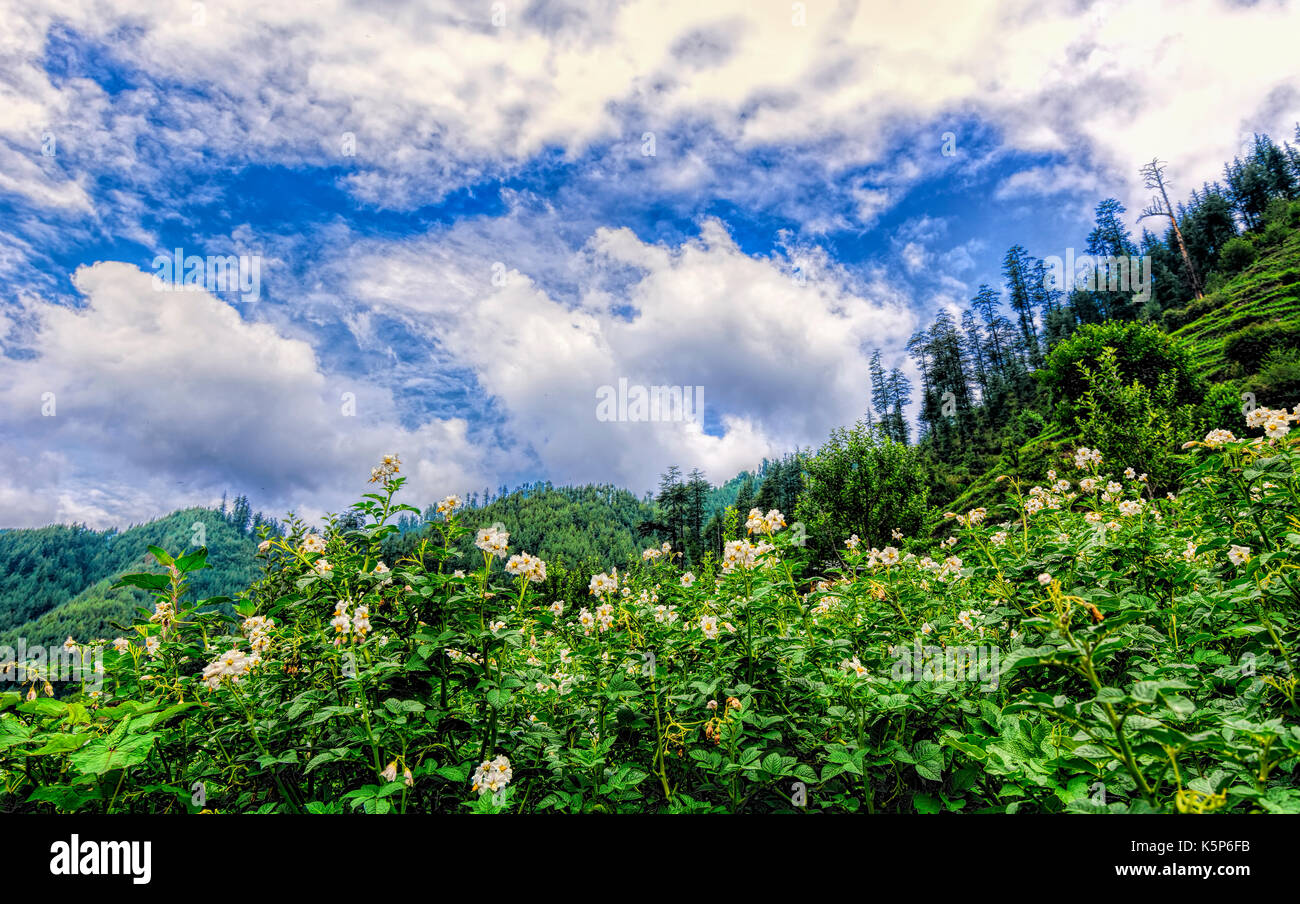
1263,296
54,581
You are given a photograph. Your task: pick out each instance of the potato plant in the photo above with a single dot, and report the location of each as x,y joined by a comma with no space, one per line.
1093,646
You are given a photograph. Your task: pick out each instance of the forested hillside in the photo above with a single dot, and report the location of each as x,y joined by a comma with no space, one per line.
55,581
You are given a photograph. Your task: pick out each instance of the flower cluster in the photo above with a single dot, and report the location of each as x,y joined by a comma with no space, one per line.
389,466
758,523
257,629
232,664
530,567
355,625
493,541
448,505
492,775
1083,457
1275,421
743,555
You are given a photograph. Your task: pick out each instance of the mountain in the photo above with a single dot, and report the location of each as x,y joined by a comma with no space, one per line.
54,581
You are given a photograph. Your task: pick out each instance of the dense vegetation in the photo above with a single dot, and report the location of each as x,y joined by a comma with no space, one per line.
1102,649
56,582
1074,588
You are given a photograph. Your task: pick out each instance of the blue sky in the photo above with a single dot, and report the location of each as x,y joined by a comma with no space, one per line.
469,217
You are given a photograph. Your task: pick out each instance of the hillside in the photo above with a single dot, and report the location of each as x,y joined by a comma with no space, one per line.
1245,331
593,523
54,581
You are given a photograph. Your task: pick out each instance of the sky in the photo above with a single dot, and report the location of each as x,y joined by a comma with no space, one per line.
457,222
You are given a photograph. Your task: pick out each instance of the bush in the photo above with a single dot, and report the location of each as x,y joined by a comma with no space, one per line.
1135,425
1102,633
1278,380
1248,347
861,482
1143,353
1274,234
1236,255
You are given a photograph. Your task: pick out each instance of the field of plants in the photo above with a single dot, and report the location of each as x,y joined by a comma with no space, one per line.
1091,645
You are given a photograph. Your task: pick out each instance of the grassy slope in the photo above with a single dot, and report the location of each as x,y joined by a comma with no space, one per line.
1267,290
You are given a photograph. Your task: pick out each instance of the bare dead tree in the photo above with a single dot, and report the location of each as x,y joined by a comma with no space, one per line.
1154,173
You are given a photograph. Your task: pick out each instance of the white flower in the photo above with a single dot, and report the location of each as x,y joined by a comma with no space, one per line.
889,555
121,645
1085,456
492,541
1239,555
688,579
448,505
70,645
264,546
709,625
322,568
232,665
151,645
602,584
1130,507
1044,579
312,543
999,538
387,468
852,542
1216,438
492,776
927,628
530,567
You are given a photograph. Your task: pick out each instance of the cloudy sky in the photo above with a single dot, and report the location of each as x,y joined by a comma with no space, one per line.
470,216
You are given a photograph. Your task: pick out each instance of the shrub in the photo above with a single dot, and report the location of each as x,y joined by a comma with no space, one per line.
861,482
1136,425
1248,347
1236,255
1278,380
1101,633
1142,353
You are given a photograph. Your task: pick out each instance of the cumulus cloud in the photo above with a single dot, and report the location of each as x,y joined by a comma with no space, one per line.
142,398
286,82
701,313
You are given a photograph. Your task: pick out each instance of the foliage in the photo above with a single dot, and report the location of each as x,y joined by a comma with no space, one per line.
861,482
1103,649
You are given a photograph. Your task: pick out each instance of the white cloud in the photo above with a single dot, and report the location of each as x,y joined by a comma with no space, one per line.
706,314
166,397
439,97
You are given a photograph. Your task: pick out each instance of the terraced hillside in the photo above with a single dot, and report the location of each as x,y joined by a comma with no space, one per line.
1245,331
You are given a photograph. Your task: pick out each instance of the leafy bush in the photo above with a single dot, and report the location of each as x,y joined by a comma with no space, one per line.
1237,254
861,482
1248,347
1142,352
1278,378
